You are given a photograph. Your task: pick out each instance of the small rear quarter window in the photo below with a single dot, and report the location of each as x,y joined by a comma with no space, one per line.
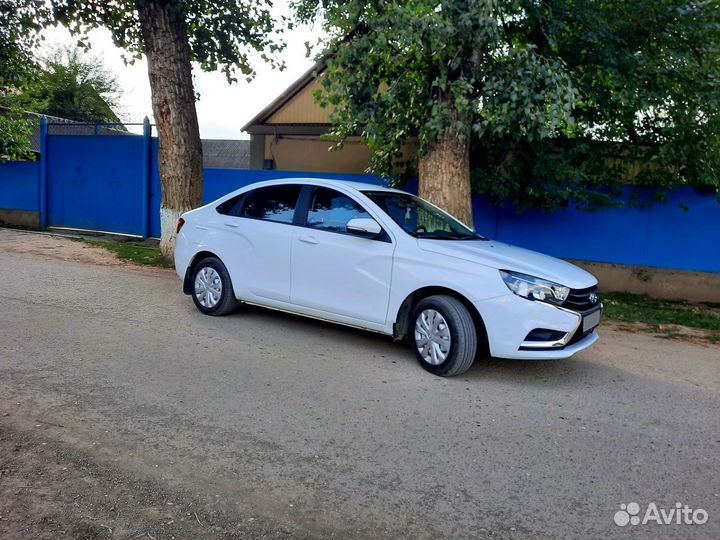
230,207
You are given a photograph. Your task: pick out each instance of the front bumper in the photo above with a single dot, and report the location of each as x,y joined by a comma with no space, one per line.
509,319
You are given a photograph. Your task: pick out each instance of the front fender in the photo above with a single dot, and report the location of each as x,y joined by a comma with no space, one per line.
472,281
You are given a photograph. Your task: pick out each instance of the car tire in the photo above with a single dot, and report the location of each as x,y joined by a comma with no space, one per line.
443,335
211,288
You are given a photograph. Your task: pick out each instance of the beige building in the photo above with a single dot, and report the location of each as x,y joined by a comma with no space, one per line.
287,134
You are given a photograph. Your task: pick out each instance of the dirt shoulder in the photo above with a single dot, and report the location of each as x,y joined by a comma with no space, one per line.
51,488
696,336
56,247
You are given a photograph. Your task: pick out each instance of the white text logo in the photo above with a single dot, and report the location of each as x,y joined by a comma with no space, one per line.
629,514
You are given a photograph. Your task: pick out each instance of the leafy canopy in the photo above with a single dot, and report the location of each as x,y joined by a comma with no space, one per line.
70,83
20,23
402,69
648,77
559,97
221,33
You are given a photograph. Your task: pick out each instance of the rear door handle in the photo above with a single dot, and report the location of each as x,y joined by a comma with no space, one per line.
230,224
308,239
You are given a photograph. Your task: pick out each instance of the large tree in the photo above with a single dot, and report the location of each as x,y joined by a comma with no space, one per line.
537,89
217,34
440,72
70,83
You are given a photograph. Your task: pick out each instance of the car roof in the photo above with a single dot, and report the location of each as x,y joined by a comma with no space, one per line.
326,182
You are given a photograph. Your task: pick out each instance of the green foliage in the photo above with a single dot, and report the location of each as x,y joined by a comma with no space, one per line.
648,77
73,84
221,33
405,69
562,98
20,22
15,134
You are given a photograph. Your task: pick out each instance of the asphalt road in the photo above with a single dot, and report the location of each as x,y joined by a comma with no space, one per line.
316,430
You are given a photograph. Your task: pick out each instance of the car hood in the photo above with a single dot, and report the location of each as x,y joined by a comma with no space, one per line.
506,257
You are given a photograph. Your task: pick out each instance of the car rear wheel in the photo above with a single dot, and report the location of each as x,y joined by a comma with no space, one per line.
443,335
212,290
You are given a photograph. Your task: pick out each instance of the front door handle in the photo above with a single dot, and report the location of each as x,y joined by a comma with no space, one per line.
230,224
308,239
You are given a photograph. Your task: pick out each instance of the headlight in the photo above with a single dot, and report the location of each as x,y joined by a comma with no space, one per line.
534,288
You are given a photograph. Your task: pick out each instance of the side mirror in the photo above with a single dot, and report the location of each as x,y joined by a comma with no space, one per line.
367,227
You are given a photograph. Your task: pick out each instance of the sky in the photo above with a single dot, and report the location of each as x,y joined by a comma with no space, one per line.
223,108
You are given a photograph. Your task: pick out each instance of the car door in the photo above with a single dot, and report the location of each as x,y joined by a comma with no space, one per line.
337,272
259,231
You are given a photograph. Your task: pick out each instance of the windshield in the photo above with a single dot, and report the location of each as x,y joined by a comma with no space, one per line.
419,218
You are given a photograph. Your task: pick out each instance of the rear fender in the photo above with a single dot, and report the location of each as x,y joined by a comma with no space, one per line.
187,280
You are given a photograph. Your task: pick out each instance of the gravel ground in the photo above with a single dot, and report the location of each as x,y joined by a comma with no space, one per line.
124,413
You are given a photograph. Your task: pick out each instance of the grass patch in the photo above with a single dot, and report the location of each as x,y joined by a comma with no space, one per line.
638,308
141,255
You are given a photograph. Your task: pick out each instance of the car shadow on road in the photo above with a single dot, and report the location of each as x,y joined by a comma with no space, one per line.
291,322
552,373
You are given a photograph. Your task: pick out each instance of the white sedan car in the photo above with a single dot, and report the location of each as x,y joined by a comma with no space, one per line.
386,261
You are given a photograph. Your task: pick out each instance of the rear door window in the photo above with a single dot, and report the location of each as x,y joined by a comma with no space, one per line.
272,203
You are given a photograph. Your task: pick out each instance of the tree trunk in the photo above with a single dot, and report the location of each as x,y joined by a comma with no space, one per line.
180,161
444,175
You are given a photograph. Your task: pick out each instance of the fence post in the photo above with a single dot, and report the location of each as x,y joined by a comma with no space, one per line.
43,184
146,173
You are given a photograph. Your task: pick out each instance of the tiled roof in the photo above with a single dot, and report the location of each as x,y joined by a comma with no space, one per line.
226,154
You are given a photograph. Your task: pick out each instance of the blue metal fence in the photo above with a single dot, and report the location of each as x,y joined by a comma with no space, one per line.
111,183
661,235
19,186
104,194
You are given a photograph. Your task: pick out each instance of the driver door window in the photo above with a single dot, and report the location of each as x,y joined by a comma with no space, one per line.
330,210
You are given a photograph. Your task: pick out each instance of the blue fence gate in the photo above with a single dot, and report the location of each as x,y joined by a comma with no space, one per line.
98,178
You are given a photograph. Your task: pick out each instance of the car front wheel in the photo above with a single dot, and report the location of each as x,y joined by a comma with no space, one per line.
443,335
212,289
